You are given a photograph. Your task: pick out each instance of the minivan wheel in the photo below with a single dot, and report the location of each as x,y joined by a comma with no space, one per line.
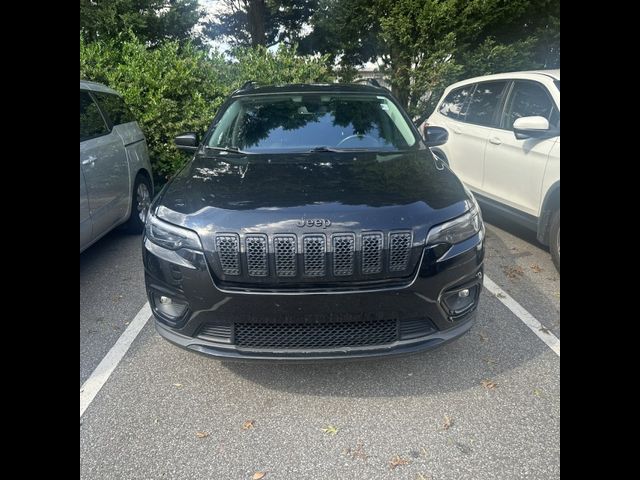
139,204
554,239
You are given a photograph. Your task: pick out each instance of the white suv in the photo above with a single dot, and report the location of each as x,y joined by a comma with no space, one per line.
504,144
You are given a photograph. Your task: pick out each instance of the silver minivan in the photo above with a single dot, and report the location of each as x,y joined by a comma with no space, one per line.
116,184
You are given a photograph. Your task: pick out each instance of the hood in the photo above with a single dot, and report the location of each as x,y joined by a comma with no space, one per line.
352,191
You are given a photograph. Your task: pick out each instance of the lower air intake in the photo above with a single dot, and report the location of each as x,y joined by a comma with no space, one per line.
315,335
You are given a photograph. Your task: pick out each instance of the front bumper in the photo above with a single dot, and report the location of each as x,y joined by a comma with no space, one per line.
420,310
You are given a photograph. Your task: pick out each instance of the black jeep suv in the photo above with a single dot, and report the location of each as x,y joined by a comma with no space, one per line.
312,223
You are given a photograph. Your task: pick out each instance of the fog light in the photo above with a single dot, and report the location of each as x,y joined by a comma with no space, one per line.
457,303
170,307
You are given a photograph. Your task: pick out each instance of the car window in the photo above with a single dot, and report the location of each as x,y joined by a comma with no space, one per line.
529,99
115,108
454,103
301,122
484,102
91,122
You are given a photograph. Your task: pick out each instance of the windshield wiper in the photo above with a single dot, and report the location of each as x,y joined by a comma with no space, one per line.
325,149
225,149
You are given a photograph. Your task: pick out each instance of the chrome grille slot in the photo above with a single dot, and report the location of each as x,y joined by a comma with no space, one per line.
256,252
399,247
286,250
314,255
227,246
371,253
343,250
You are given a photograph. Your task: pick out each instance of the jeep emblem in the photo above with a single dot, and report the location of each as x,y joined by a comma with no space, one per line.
314,222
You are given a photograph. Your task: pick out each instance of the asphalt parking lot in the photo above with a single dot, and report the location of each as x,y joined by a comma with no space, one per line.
486,406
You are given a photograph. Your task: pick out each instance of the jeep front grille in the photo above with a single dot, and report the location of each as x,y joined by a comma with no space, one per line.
315,258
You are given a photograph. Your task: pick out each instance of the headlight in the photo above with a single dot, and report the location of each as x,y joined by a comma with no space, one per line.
457,230
170,236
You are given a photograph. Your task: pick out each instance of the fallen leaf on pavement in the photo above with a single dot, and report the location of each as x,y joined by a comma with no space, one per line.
258,475
330,430
544,329
248,424
513,272
422,476
202,434
483,337
397,461
448,421
424,452
501,295
489,384
357,452
535,267
178,385
537,392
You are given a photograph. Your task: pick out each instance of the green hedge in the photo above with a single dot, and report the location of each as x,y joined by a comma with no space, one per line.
177,88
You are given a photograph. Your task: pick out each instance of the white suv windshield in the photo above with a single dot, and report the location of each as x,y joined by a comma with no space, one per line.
300,123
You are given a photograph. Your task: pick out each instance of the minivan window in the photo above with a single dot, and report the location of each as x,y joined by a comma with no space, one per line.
529,99
486,99
303,122
91,122
454,103
115,108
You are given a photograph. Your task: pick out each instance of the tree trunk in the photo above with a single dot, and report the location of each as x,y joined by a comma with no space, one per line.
256,15
400,75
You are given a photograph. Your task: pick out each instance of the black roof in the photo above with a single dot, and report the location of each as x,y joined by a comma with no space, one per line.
251,88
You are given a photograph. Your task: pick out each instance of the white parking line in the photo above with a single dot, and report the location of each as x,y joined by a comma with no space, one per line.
105,368
529,320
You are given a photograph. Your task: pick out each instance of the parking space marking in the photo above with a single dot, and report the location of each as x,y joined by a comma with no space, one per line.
105,368
529,320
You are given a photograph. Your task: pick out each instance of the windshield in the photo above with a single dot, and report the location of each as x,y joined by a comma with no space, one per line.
301,123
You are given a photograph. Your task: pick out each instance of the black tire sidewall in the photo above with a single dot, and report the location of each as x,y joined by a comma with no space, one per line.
554,232
134,224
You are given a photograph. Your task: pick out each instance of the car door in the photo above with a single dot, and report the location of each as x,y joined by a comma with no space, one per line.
104,164
465,148
514,169
481,116
85,217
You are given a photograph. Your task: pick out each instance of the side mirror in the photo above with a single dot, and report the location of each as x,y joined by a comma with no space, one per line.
187,142
532,127
434,136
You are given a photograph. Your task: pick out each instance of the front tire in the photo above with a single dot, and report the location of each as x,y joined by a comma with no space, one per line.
139,204
554,239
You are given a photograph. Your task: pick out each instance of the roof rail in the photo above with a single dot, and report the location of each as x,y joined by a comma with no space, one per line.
370,81
250,85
